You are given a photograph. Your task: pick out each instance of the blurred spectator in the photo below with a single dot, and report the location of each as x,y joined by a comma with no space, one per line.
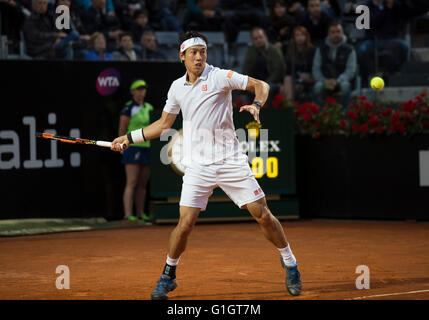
80,44
126,50
332,8
264,61
203,15
349,8
243,14
281,24
97,48
136,158
296,8
150,47
11,21
316,22
95,19
139,24
125,10
161,17
41,37
334,65
86,4
298,81
383,36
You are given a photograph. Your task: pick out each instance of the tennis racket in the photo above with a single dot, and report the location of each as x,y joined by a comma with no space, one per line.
51,136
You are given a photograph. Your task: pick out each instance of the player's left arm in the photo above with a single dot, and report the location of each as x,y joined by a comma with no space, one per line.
261,90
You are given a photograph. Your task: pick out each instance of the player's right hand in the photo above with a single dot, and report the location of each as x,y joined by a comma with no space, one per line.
120,143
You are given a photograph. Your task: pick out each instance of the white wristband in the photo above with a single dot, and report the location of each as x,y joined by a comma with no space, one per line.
137,136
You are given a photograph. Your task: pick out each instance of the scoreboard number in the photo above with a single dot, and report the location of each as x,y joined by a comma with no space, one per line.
271,166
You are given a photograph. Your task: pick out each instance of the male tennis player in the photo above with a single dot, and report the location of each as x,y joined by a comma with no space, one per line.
211,154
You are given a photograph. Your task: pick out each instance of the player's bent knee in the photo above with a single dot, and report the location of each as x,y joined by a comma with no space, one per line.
185,227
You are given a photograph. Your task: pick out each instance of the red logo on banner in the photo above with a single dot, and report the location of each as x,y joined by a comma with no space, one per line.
204,87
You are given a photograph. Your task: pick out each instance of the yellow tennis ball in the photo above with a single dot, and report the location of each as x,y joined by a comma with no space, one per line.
377,83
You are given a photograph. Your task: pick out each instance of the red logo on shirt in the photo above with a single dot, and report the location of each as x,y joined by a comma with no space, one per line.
204,87
257,191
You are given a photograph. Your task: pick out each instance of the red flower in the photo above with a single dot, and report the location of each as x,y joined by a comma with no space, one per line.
386,112
343,124
313,107
278,97
352,115
368,105
316,124
409,106
380,129
362,98
307,116
400,128
418,99
424,109
317,135
330,100
364,128
355,127
275,103
374,121
423,94
301,110
396,116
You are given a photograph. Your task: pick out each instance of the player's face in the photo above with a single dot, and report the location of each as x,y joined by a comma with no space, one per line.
195,59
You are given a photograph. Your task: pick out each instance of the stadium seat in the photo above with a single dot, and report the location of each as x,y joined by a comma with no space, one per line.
217,48
244,41
167,43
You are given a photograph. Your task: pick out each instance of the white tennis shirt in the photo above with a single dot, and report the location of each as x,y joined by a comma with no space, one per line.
208,128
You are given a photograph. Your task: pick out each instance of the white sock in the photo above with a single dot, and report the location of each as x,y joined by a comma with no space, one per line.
288,257
172,262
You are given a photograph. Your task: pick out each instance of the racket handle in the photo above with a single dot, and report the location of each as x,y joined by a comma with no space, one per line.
107,144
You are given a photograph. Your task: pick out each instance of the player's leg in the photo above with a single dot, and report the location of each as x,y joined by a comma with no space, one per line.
179,236
270,225
239,183
273,231
140,191
177,245
132,174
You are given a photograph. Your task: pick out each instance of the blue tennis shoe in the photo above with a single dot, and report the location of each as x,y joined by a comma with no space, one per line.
293,279
164,286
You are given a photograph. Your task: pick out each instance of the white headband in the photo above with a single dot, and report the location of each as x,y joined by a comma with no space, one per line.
192,42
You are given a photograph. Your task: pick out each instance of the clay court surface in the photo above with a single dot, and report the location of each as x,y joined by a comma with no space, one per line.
222,261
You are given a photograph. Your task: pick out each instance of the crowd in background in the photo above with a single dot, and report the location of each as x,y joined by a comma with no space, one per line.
299,46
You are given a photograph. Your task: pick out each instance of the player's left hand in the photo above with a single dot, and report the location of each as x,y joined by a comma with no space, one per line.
253,109
120,143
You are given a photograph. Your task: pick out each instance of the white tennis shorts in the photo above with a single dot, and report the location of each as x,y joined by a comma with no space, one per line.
235,178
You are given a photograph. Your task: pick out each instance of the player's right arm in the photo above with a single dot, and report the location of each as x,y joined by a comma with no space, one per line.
152,131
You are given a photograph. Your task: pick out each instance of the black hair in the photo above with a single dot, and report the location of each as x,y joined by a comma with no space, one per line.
335,23
191,34
138,12
125,34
